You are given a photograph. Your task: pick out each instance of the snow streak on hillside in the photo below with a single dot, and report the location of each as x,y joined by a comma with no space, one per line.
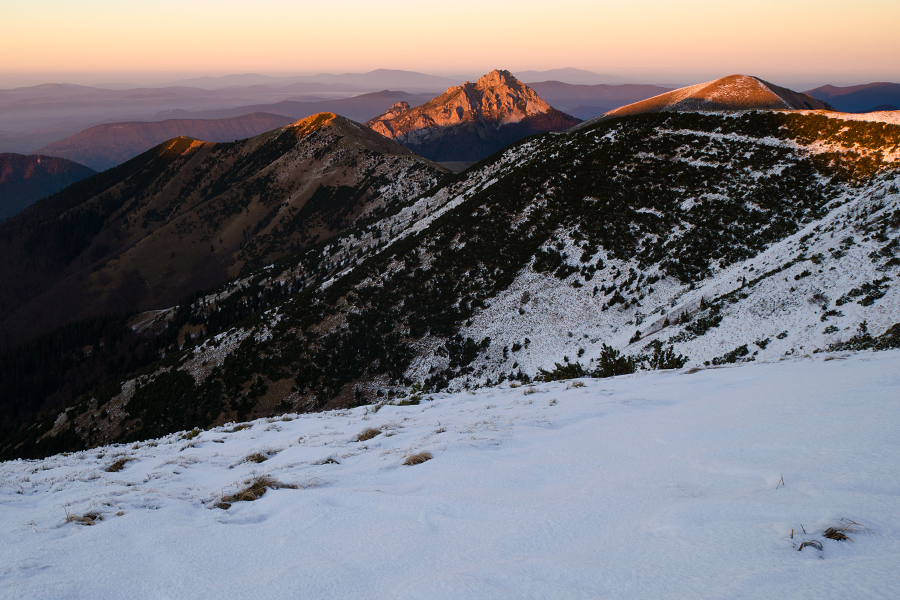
680,484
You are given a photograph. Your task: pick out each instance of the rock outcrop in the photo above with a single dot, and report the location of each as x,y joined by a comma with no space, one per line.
473,120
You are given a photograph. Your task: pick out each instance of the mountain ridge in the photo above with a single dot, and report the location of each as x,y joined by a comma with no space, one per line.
104,146
868,97
730,93
773,233
189,214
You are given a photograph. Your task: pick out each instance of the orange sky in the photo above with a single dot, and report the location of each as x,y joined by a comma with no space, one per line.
642,39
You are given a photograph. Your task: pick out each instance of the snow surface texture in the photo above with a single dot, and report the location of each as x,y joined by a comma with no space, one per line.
675,484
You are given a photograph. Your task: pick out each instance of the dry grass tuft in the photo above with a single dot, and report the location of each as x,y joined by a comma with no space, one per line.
254,491
530,390
840,532
835,534
118,465
813,544
90,518
189,435
237,428
367,434
257,457
418,459
575,384
693,370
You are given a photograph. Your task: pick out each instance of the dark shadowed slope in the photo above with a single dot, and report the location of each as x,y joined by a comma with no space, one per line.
189,214
25,179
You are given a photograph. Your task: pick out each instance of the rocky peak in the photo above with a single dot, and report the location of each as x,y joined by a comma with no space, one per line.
496,97
396,110
496,78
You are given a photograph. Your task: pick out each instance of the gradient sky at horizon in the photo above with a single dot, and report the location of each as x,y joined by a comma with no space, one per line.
786,42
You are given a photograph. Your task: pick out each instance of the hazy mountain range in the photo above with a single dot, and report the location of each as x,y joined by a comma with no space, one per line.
104,146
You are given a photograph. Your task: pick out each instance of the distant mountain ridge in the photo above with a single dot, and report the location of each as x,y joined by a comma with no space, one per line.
105,146
25,179
359,108
734,92
868,97
473,120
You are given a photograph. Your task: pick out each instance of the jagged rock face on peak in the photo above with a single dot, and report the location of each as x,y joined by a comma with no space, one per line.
473,120
188,215
735,92
394,111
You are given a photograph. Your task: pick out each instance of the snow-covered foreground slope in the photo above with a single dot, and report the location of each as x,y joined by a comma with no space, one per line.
662,484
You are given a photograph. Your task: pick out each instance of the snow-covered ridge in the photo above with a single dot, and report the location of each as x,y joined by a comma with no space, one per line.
665,484
786,312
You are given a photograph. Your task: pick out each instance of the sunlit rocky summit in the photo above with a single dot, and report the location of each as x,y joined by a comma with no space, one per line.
473,120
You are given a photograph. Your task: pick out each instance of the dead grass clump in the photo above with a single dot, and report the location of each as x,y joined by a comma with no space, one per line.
530,390
812,543
118,465
189,435
835,534
693,370
840,532
90,518
418,459
257,457
237,428
254,491
367,434
575,384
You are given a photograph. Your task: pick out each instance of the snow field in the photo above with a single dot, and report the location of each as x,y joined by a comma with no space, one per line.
664,484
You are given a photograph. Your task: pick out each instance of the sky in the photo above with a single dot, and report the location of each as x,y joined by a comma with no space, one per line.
645,40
